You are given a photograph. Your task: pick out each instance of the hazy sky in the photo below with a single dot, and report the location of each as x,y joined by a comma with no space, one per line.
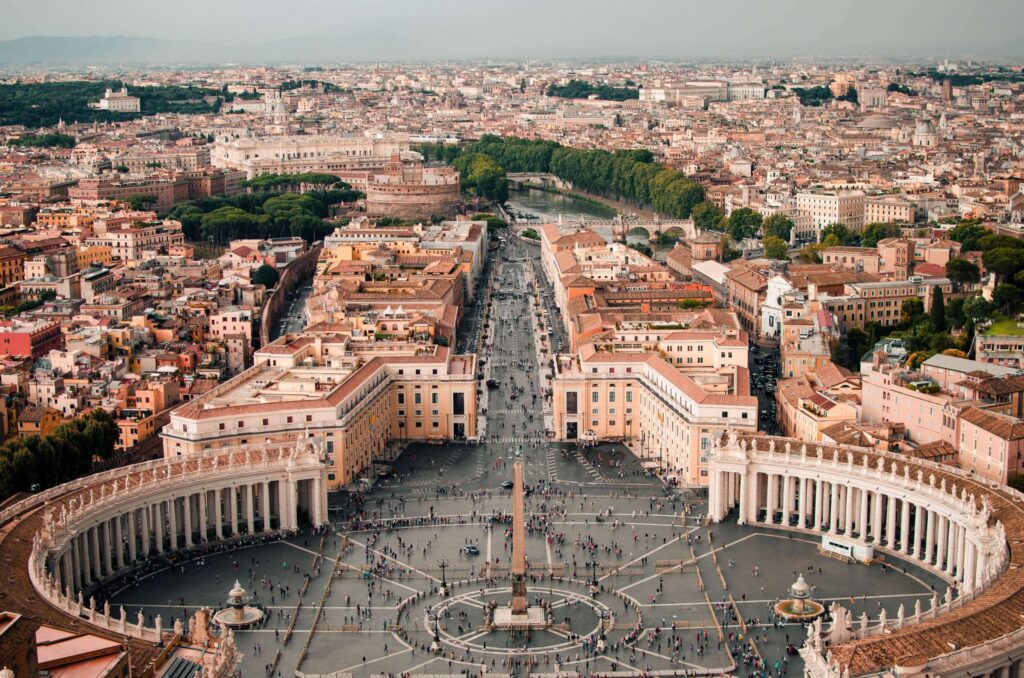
551,28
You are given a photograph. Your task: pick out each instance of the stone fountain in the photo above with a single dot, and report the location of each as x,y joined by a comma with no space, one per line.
799,606
238,614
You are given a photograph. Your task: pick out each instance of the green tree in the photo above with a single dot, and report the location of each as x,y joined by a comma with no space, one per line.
691,304
707,217
840,231
911,310
743,223
775,248
1007,297
141,201
876,231
977,308
812,251
955,312
962,271
265,275
1004,261
938,310
968,233
778,225
642,248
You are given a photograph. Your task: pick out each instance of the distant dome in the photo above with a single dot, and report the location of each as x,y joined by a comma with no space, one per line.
877,121
924,127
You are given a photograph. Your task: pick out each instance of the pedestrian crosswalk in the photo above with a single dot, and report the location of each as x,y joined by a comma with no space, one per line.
517,439
589,468
535,412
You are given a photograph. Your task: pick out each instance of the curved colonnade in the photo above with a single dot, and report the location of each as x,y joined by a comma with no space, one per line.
96,529
966,530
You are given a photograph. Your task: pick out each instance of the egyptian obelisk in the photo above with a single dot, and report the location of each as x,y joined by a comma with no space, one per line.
518,541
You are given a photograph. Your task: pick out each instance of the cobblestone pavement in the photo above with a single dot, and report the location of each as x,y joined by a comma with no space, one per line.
372,597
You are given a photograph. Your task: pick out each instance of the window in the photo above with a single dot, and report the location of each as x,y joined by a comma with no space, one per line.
458,403
289,420
611,396
433,398
401,398
594,397
309,417
417,398
221,426
266,422
434,424
570,402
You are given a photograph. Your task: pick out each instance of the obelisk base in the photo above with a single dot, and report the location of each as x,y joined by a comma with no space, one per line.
519,597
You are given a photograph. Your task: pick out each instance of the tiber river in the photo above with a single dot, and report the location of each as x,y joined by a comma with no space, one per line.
548,206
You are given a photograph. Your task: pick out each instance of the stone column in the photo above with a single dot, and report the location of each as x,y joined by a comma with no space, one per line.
118,544
204,499
186,513
929,537
848,522
961,552
769,516
172,511
970,565
730,491
818,497
905,526
863,496
132,538
265,504
951,532
876,517
890,522
714,489
318,501
147,529
918,529
940,541
233,509
158,525
106,546
76,564
787,498
833,507
249,508
94,550
64,573
744,497
218,512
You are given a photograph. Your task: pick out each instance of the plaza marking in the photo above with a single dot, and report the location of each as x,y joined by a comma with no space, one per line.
372,661
311,551
643,555
395,560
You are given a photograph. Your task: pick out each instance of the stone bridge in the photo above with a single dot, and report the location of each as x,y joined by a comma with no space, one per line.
619,228
519,180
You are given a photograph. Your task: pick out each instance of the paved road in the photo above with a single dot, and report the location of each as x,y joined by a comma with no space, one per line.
294,317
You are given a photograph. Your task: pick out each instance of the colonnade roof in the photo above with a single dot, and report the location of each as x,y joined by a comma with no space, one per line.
997,611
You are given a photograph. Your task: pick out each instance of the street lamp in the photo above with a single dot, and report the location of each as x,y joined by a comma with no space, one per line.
435,645
593,578
443,563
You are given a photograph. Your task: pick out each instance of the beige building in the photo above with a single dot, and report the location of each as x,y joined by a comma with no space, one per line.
825,208
889,209
360,402
669,416
290,154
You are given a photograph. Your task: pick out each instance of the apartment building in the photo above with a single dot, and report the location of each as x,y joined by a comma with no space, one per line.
825,208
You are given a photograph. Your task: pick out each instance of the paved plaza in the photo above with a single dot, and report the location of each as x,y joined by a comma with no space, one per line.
673,594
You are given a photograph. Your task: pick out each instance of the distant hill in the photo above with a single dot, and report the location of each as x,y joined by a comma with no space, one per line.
125,49
358,44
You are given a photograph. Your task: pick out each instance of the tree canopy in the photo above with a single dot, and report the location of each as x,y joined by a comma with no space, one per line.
877,231
743,223
580,89
778,225
66,453
265,275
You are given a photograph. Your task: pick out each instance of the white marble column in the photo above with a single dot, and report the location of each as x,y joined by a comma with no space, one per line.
318,506
961,552
744,499
204,505
848,520
714,492
951,532
833,507
265,505
876,517
118,544
233,509
818,497
929,537
862,514
919,528
106,545
186,513
218,513
770,506
250,513
133,553
159,525
905,526
940,541
890,522
94,552
76,564
787,498
172,511
970,565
